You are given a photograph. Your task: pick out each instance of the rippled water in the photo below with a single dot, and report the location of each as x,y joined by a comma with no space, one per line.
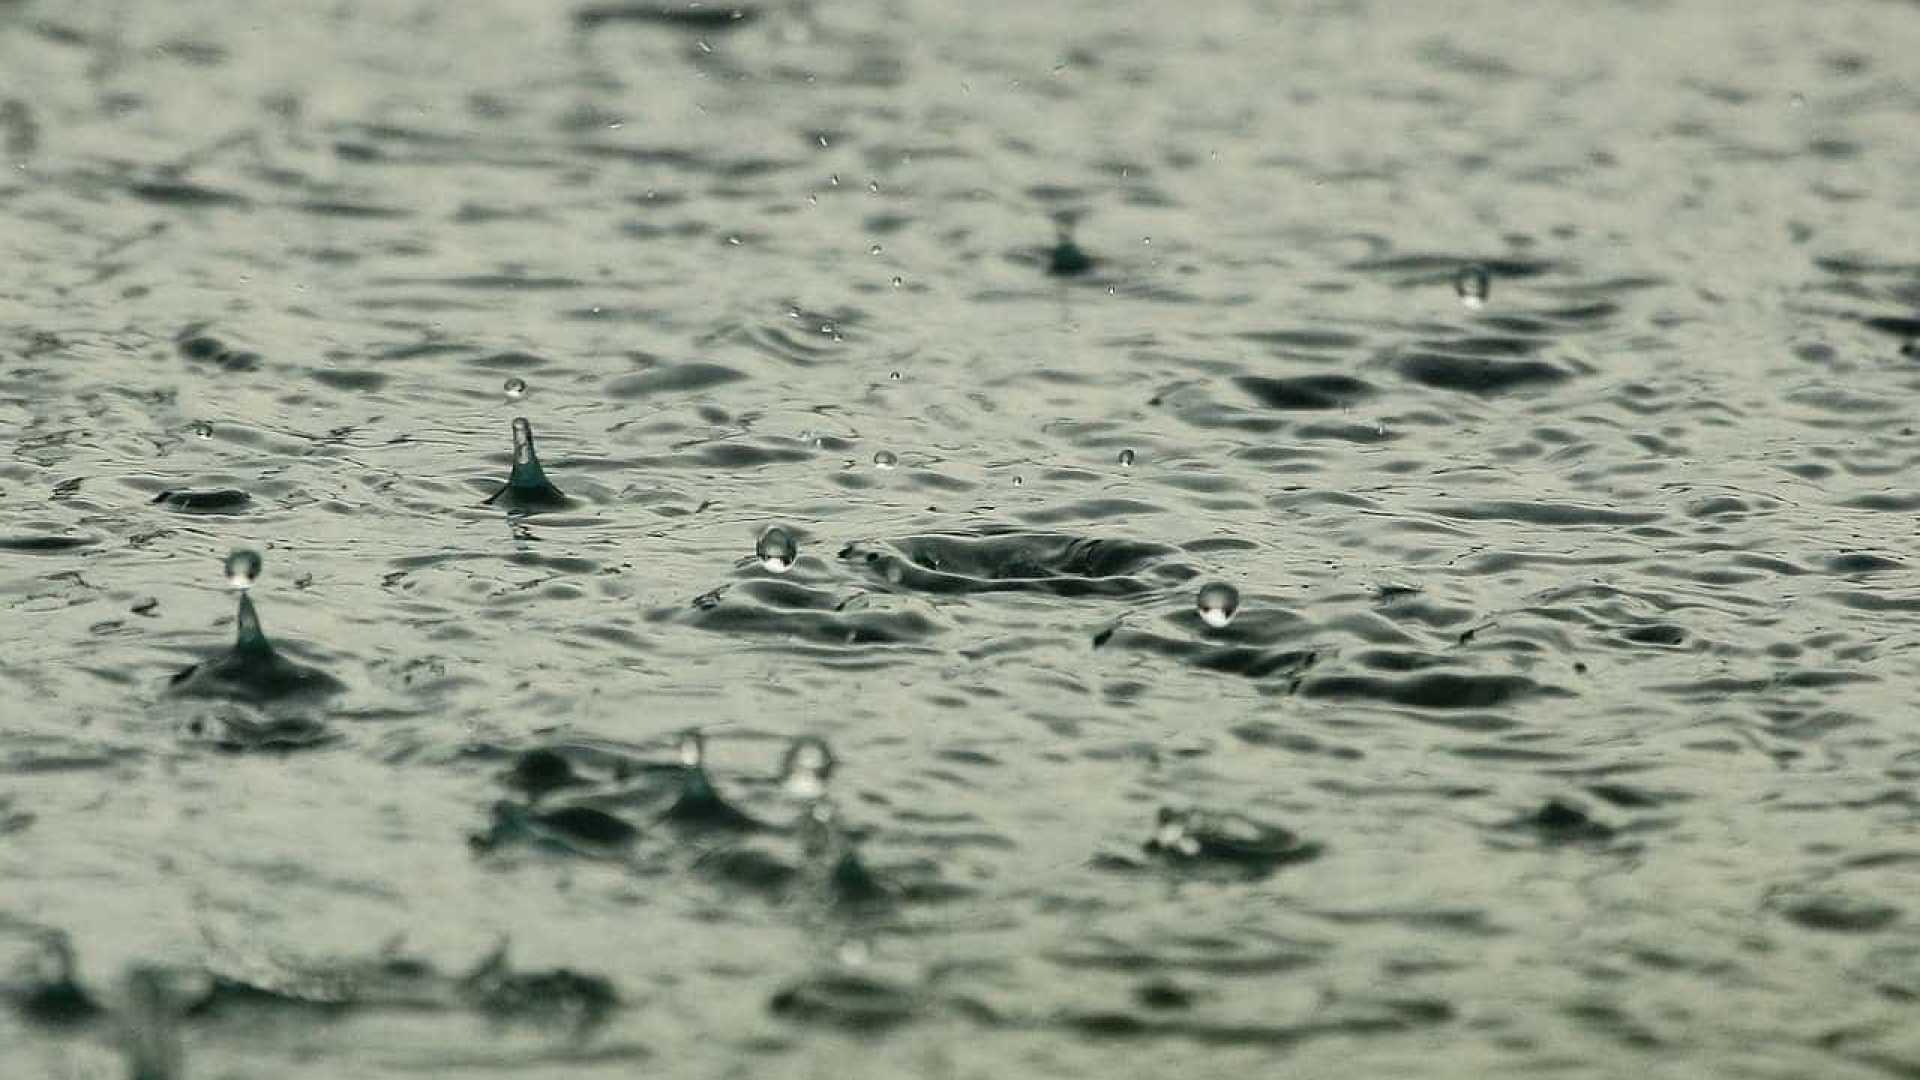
1562,727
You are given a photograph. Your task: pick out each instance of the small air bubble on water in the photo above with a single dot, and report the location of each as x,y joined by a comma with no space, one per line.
1472,284
243,568
203,429
777,550
516,388
885,459
1126,458
1217,603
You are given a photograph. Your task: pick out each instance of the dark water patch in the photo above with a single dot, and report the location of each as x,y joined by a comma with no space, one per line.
1540,513
689,18
500,361
1248,661
44,544
1835,913
1560,821
1432,690
209,501
1662,634
253,670
1862,562
1264,733
843,629
1207,843
239,733
1478,374
855,1003
1005,561
181,193
574,830
43,987
1306,391
345,379
673,379
1884,502
1899,326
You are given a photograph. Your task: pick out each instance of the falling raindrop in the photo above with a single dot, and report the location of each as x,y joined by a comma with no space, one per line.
1472,284
1217,603
809,763
885,459
243,568
516,388
693,748
1126,458
897,282
894,375
874,250
873,187
777,550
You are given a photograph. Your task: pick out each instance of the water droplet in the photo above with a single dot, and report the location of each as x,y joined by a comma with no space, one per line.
1126,458
885,459
693,749
1472,284
1798,101
873,187
895,376
243,568
823,146
734,240
777,550
516,388
1217,603
808,765
1019,480
522,441
1146,240
704,47
874,250
834,179
203,429
897,282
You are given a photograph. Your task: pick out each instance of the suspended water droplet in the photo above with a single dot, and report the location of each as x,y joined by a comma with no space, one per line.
1217,603
833,178
1472,284
823,142
515,388
885,459
894,375
734,240
897,282
203,429
1126,458
1170,833
874,250
808,764
1019,480
243,568
777,550
704,47
873,187
693,749
1146,240
1798,101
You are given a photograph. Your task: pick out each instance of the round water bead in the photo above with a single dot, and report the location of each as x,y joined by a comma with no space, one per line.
1472,284
243,568
1217,603
808,765
1126,458
885,459
515,388
777,550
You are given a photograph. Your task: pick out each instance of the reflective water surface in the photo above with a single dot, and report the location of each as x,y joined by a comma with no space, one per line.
1081,538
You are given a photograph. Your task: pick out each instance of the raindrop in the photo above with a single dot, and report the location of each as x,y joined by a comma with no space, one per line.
1019,480
1798,101
777,550
885,459
1126,458
894,375
704,47
874,250
243,568
808,765
834,179
873,187
1472,284
693,748
1217,603
897,282
1148,240
734,240
516,388
203,429
823,145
